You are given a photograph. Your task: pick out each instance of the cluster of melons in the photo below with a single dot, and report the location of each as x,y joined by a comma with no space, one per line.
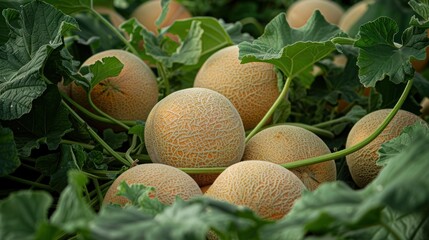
204,126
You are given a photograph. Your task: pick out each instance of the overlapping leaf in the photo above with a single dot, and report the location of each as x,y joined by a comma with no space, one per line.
9,160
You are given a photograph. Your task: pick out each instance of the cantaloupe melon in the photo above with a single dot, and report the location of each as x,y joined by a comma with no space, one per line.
168,182
352,15
251,87
299,12
267,188
284,144
195,127
149,11
362,163
128,96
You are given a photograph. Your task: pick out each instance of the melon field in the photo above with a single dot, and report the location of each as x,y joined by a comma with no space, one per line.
161,119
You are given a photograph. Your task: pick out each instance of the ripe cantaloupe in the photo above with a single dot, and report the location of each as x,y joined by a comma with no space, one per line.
299,12
362,163
251,87
195,127
267,188
352,15
128,96
168,182
149,11
283,144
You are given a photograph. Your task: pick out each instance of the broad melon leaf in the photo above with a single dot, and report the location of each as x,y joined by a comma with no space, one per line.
73,213
35,32
293,51
44,124
234,32
421,7
22,213
100,70
379,56
9,160
407,138
187,53
71,6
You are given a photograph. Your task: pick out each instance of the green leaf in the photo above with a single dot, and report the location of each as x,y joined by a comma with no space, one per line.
73,213
114,140
35,32
9,160
71,6
72,157
421,7
379,56
293,51
47,123
22,213
48,164
234,32
100,70
407,138
187,53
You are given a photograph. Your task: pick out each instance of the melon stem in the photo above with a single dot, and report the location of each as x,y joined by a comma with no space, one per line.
114,120
96,137
115,31
354,148
164,77
271,110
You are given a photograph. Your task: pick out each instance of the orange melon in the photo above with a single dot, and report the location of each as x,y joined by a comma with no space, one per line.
195,127
284,144
299,12
267,188
128,96
168,182
362,163
251,87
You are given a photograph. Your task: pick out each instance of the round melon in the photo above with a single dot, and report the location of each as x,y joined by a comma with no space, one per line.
362,163
168,182
148,12
267,188
129,96
284,144
352,15
251,87
195,127
299,12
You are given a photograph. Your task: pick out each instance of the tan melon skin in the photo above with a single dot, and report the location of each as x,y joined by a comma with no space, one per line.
251,87
299,12
362,163
195,127
168,182
149,11
284,144
129,96
267,188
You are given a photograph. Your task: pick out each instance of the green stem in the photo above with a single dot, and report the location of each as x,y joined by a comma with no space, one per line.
98,190
131,148
343,40
271,111
114,120
164,78
331,122
90,114
84,145
31,183
314,129
38,180
96,137
359,145
116,31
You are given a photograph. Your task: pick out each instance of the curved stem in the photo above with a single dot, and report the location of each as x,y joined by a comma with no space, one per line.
28,182
254,22
354,148
343,40
164,78
272,109
330,122
131,148
96,137
98,190
114,120
116,31
92,115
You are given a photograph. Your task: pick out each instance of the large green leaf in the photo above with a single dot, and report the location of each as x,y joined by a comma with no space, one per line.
294,51
4,30
73,213
46,123
35,32
9,160
71,6
421,7
22,213
379,56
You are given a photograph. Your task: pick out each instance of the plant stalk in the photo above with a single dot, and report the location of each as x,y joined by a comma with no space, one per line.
31,183
164,78
114,120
